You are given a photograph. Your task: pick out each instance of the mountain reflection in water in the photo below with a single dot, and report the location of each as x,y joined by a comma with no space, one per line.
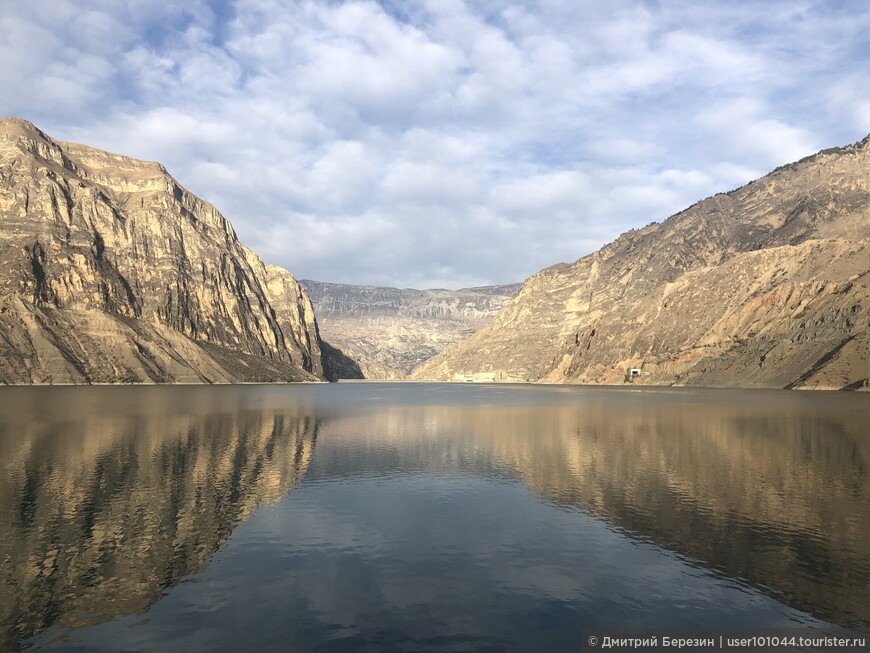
112,495
116,494
772,487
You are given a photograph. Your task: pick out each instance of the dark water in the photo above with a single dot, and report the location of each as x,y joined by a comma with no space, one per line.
424,517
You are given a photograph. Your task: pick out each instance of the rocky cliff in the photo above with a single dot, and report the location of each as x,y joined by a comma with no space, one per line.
766,285
390,331
111,272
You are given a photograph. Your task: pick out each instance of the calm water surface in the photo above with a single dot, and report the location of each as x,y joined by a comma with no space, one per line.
423,517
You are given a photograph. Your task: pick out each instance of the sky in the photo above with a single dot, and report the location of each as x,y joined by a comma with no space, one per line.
442,143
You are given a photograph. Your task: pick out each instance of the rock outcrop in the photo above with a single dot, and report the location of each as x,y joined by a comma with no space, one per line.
390,331
766,285
111,272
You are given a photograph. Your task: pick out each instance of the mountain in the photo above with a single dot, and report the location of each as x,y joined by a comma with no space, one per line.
390,331
766,285
111,272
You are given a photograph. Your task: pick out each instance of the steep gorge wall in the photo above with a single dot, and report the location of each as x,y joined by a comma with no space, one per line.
764,286
390,331
110,271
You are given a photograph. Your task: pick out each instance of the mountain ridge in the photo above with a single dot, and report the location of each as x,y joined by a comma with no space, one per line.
390,331
111,271
624,306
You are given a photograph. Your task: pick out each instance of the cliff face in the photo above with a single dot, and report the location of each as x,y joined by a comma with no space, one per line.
764,286
110,271
391,331
295,314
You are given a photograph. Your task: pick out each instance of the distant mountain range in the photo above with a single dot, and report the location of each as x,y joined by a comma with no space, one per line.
390,331
764,286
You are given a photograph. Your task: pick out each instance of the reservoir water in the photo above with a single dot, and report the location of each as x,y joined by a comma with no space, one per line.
424,517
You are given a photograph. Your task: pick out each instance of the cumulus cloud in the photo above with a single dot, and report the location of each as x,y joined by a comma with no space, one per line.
441,142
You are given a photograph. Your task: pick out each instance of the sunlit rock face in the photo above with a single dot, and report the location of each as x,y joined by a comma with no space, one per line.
131,495
390,331
764,286
110,271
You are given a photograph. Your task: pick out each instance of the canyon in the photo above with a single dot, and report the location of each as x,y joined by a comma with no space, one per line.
112,272
391,331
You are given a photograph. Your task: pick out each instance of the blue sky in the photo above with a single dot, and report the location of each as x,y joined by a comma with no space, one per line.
442,143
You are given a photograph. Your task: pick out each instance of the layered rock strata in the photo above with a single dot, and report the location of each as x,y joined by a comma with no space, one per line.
390,331
766,285
110,271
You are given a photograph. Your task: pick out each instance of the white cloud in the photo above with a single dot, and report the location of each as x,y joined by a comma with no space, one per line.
420,183
441,142
744,129
850,100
